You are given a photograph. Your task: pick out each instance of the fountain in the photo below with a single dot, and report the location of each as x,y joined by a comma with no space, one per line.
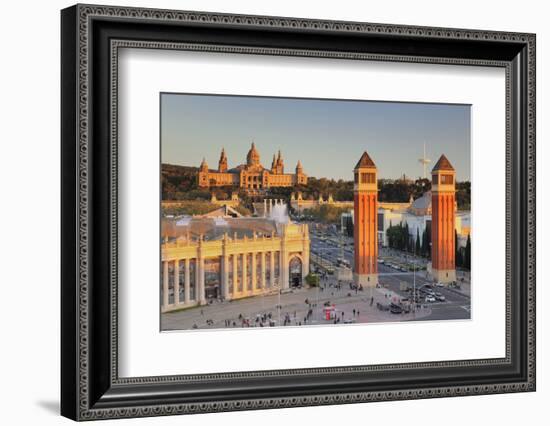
279,213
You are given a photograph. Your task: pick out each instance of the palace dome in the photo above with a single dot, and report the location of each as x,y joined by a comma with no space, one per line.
253,156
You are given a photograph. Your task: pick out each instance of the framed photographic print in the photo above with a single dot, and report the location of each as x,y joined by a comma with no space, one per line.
263,212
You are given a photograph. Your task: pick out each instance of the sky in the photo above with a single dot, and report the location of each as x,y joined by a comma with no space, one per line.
327,136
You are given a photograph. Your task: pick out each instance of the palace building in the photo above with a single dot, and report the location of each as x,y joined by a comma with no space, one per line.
251,176
226,258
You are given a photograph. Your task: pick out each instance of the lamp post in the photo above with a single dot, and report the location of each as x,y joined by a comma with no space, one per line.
414,287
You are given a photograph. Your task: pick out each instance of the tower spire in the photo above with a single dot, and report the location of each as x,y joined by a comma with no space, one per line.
222,164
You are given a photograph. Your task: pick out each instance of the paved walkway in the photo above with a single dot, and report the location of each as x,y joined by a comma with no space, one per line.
346,301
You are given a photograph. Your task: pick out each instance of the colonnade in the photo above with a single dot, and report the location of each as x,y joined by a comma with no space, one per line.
235,282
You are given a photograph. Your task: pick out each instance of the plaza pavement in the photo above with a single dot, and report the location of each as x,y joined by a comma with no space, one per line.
213,316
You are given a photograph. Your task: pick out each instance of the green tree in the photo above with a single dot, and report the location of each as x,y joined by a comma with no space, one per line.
312,279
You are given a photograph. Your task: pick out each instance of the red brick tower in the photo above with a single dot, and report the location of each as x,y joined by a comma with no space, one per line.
443,221
365,229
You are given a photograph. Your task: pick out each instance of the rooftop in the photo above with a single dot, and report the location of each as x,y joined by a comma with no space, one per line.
443,164
365,161
215,228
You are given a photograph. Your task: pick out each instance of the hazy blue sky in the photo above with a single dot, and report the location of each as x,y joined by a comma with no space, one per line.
328,136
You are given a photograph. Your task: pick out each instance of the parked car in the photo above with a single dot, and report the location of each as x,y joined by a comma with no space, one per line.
382,306
396,309
439,284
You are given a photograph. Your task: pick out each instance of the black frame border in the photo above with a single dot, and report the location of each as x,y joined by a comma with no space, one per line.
90,387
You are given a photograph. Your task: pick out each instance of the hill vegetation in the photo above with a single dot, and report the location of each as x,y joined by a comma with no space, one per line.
180,183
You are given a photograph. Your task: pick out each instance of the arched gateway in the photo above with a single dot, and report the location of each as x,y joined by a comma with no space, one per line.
295,272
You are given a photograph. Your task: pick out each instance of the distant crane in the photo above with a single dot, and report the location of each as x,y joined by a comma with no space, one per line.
424,160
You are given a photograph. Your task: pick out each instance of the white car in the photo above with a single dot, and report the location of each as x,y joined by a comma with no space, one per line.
439,285
439,297
430,299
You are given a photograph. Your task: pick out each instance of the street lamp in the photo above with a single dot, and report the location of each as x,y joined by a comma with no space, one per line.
414,287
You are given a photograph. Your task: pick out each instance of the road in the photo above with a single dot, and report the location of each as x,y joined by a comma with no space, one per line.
456,305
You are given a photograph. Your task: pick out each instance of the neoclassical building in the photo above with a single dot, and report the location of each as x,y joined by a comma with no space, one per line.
251,176
300,205
228,258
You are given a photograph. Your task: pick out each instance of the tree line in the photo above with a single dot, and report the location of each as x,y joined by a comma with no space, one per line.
399,238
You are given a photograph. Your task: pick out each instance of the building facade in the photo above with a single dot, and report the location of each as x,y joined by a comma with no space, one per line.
418,216
251,176
300,205
365,223
229,258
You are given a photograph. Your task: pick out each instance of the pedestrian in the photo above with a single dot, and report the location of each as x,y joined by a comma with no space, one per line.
354,312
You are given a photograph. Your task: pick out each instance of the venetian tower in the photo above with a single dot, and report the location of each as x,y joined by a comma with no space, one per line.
365,230
443,221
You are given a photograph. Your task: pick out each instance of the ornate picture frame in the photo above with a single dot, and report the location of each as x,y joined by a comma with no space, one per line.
91,37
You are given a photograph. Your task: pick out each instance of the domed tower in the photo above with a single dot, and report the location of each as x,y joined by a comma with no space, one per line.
222,164
365,230
253,157
443,221
301,178
299,168
203,179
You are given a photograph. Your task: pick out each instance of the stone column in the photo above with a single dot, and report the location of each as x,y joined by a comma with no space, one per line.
225,275
245,284
235,276
201,296
283,263
165,294
253,272
176,282
305,251
272,269
265,207
262,278
187,282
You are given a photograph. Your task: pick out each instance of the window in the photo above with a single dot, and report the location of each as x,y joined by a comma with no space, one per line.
447,179
435,179
367,177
